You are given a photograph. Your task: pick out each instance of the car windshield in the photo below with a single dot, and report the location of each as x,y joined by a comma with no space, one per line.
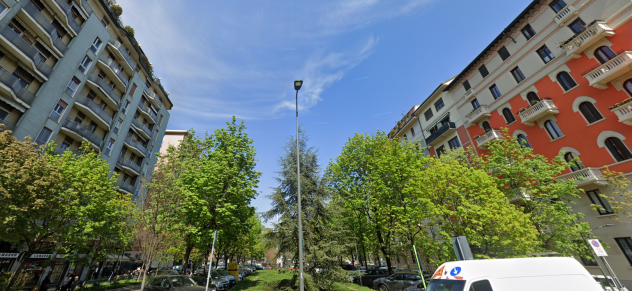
182,281
223,272
446,285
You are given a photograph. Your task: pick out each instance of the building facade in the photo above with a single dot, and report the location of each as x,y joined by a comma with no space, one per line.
559,78
70,73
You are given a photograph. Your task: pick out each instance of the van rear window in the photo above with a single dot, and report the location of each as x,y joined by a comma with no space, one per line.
446,285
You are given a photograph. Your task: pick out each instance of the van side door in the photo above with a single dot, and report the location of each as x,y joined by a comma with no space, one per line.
481,285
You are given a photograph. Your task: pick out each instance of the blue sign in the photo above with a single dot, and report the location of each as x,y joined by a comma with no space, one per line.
595,243
455,271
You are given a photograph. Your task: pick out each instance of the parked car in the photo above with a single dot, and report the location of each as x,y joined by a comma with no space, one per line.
163,283
227,276
397,282
370,275
216,281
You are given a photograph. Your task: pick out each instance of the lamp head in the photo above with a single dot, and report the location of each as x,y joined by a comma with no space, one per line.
298,84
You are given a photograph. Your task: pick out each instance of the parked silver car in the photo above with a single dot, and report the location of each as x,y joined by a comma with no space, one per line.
215,280
397,282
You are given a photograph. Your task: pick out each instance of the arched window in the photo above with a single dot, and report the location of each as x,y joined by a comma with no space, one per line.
573,161
590,112
508,116
627,85
486,126
552,129
604,54
522,140
618,149
566,81
533,98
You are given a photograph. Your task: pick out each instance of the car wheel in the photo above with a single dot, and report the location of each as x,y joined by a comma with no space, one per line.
382,288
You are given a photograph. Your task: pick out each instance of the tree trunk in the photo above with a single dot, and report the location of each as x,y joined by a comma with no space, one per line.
187,253
384,251
142,285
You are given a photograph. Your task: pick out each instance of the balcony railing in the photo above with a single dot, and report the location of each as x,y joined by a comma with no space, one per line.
7,125
66,8
96,109
624,112
585,176
128,164
86,7
610,70
126,187
46,25
435,136
141,127
117,71
580,41
468,93
565,14
478,113
154,97
145,109
136,144
119,47
60,151
106,88
489,136
83,132
12,82
537,111
27,49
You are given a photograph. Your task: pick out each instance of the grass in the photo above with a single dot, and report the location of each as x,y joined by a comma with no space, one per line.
114,285
257,281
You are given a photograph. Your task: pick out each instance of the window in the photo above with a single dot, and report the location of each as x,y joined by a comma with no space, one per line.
545,54
66,143
618,149
96,44
428,114
566,81
557,5
439,104
160,120
517,74
482,285
574,163
3,7
483,71
72,86
533,98
495,91
125,106
3,115
466,85
151,149
590,112
522,140
552,129
85,63
80,117
504,53
155,135
133,90
412,131
486,126
625,243
577,26
92,126
43,136
117,126
108,148
105,21
528,32
627,85
508,116
454,143
440,151
601,202
475,104
604,54
58,110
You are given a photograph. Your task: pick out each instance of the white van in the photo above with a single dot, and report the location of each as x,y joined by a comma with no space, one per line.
524,274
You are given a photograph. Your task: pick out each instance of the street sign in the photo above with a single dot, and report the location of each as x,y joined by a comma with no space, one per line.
597,247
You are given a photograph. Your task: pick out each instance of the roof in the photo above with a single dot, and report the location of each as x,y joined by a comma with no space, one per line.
497,39
174,131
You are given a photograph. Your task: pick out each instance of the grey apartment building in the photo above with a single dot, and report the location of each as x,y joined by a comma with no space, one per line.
70,73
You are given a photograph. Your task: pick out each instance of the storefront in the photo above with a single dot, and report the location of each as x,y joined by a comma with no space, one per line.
7,260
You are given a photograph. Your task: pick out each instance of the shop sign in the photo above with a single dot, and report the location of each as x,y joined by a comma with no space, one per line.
9,255
40,256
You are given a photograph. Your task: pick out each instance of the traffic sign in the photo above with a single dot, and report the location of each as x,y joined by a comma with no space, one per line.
597,247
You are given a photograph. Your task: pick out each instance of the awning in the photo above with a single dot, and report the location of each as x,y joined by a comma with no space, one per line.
123,258
438,120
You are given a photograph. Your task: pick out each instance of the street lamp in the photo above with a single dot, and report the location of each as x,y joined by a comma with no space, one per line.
297,86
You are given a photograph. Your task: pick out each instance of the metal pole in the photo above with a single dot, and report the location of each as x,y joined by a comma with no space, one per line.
210,259
300,224
614,276
355,241
423,280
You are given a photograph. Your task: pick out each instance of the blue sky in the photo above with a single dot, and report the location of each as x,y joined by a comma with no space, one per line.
364,63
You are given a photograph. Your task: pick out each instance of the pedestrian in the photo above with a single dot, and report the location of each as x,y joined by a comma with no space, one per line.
66,284
74,283
45,283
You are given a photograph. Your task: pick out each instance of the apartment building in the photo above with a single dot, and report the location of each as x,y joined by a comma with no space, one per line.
172,137
70,73
559,77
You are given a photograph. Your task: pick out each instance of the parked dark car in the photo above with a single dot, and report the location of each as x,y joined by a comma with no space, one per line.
179,283
397,282
370,275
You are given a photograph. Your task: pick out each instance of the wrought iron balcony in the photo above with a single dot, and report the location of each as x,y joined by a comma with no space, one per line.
585,176
115,70
82,132
128,164
136,145
537,111
125,187
623,110
575,45
441,133
107,89
565,14
16,89
478,114
483,140
148,112
27,49
598,77
46,25
95,109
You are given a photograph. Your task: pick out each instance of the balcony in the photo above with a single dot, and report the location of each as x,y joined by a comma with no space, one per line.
478,114
128,165
71,21
145,110
12,86
136,146
623,110
86,7
113,72
94,111
155,99
599,77
468,94
565,14
537,111
441,133
118,47
45,24
80,132
113,98
60,151
125,187
575,45
141,128
489,136
7,125
585,177
24,52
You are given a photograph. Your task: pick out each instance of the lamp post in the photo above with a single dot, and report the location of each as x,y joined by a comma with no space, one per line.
297,86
